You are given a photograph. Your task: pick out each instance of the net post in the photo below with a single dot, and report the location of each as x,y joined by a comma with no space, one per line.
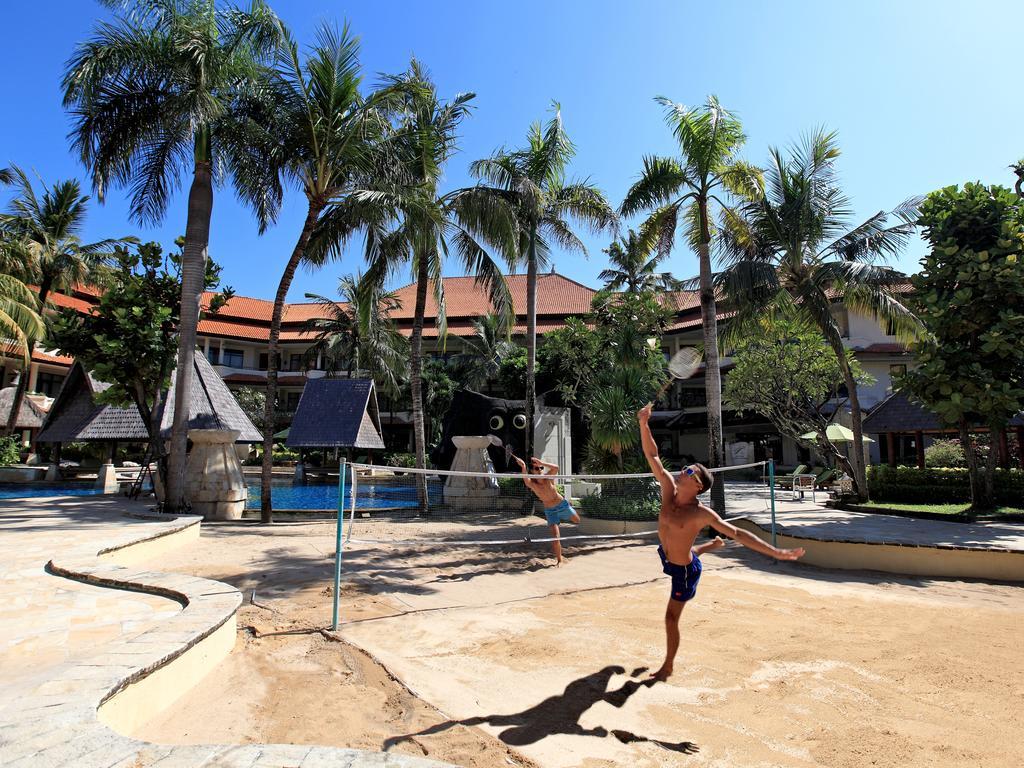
771,493
338,543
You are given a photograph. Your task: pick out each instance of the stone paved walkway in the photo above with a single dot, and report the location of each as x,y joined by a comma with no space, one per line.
76,629
839,525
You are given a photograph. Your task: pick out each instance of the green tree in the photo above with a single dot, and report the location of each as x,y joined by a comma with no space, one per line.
796,239
787,373
634,261
251,400
609,368
20,322
970,296
484,352
356,337
129,340
42,234
153,94
532,181
685,191
426,224
325,138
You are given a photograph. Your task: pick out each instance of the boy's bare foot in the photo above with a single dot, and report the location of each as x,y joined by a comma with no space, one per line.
662,674
561,561
711,546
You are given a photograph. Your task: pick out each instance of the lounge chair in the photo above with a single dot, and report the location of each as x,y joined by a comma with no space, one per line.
786,481
827,479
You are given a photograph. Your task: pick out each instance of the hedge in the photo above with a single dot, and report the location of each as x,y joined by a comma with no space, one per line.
638,499
939,485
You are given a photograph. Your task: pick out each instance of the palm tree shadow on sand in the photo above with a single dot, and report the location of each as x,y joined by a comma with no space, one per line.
561,714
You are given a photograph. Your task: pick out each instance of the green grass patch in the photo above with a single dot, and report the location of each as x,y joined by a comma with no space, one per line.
958,509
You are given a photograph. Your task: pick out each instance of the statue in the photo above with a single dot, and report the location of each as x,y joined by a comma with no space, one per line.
474,414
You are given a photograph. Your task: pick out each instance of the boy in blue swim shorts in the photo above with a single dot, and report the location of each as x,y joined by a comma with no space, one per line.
681,518
556,509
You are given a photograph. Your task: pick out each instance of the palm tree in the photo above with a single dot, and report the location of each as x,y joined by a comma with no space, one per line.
41,233
20,322
634,260
532,181
152,95
324,137
685,191
349,337
795,239
427,225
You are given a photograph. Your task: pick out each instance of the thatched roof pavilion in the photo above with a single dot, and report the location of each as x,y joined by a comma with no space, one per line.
76,416
337,413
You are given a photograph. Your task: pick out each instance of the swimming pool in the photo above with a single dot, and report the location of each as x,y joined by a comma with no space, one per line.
34,491
284,494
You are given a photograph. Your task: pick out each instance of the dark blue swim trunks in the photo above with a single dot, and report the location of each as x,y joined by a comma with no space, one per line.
684,577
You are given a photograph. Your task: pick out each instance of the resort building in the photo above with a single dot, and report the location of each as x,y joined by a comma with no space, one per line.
235,341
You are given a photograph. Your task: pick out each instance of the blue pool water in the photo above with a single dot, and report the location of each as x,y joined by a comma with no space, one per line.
31,491
369,495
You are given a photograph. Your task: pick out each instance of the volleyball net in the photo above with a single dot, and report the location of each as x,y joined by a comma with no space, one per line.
384,505
411,511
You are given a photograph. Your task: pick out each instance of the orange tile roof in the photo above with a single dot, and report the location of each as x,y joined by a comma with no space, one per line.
556,295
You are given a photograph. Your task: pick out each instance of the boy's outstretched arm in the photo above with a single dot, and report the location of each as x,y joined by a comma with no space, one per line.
747,539
668,485
525,471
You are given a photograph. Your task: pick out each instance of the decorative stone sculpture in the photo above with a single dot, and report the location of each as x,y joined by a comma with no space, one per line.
471,456
214,484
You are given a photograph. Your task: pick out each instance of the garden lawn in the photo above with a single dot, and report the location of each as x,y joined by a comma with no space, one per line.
938,509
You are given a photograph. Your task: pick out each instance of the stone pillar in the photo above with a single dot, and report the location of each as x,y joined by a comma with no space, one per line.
890,445
471,456
106,479
33,376
919,443
214,484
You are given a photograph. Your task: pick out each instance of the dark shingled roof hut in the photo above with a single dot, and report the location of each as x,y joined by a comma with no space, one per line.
337,413
898,415
30,416
76,416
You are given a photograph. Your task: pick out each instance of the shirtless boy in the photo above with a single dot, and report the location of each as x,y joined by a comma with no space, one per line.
681,519
556,509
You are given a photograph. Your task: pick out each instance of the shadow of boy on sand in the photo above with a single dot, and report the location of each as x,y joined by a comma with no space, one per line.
560,714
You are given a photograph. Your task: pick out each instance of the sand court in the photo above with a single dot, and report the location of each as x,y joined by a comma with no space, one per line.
780,664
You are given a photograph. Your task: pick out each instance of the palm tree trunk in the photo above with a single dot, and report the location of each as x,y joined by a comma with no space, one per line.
712,369
193,274
860,479
416,381
19,393
531,342
267,467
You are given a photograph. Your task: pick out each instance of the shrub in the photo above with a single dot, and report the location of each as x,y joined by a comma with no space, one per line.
282,454
937,486
407,460
945,453
620,508
10,450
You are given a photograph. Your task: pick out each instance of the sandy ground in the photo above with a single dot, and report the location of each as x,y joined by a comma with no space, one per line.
513,662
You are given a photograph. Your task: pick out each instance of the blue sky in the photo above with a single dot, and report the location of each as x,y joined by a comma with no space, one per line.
923,93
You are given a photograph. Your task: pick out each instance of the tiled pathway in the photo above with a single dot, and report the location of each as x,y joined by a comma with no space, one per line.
67,646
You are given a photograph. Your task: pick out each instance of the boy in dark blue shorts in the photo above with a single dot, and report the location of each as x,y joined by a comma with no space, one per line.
556,509
680,520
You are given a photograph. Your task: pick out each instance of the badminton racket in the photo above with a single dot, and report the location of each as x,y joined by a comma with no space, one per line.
682,365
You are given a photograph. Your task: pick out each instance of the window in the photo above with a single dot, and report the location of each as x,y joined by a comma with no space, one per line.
897,369
49,383
233,358
213,355
295,363
291,400
265,360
